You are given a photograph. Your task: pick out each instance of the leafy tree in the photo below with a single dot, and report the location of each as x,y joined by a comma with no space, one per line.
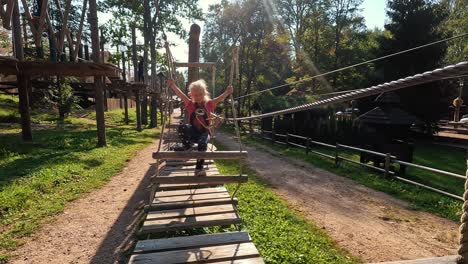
457,24
5,42
413,23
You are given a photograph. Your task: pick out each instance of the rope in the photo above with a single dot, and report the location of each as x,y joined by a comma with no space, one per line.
429,76
166,113
235,68
463,248
357,64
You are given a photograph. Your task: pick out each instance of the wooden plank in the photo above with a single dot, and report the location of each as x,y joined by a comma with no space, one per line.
437,260
185,163
187,155
171,187
188,168
177,214
201,179
180,243
200,255
258,260
189,222
191,197
191,191
194,203
190,173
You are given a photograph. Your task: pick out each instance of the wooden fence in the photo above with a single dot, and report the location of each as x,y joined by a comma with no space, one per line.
117,103
308,143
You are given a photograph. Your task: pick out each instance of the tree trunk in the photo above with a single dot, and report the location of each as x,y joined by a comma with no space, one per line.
22,80
147,36
135,72
98,80
154,99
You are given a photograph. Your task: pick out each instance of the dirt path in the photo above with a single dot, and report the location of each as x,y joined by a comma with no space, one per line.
367,223
98,228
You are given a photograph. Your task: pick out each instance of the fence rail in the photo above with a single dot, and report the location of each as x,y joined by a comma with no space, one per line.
388,158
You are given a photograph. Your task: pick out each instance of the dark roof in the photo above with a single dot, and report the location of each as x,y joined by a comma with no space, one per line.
387,98
389,116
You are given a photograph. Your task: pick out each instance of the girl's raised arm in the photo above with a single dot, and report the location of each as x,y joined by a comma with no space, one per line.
223,96
177,91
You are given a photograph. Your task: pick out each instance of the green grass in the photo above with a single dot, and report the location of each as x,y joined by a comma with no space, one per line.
9,108
440,157
38,178
281,234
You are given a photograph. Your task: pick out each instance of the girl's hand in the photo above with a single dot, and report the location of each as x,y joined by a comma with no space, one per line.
229,90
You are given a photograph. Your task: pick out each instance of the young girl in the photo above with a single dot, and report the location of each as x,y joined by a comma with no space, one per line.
199,107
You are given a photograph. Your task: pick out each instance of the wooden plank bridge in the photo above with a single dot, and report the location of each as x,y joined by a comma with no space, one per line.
182,201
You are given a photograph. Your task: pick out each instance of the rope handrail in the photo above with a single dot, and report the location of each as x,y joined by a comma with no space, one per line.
429,76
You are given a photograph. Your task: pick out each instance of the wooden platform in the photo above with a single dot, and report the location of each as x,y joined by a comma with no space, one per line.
183,201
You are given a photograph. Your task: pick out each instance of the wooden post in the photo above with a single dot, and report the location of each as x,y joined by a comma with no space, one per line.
23,107
147,37
154,78
124,77
138,112
337,158
388,160
98,80
135,77
287,138
308,146
134,55
273,129
194,52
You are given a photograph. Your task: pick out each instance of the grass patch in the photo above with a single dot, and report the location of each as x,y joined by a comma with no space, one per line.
38,178
440,157
9,109
281,234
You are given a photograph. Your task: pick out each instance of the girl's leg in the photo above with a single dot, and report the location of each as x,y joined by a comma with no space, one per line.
202,146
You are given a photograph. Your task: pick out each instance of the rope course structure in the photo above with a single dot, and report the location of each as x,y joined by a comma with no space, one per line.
179,201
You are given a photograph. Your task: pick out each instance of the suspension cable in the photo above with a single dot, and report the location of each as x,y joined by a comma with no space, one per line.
460,69
347,91
355,65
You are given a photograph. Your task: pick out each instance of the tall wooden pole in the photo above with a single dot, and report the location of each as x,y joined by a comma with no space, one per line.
194,52
135,77
22,79
124,76
154,98
98,80
147,36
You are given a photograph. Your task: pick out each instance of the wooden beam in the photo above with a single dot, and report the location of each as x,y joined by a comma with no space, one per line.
8,14
45,68
186,155
191,187
178,243
201,179
98,80
80,30
42,17
216,254
194,203
190,222
29,17
196,64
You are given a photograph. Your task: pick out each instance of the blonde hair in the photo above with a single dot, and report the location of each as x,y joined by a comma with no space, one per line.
200,85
